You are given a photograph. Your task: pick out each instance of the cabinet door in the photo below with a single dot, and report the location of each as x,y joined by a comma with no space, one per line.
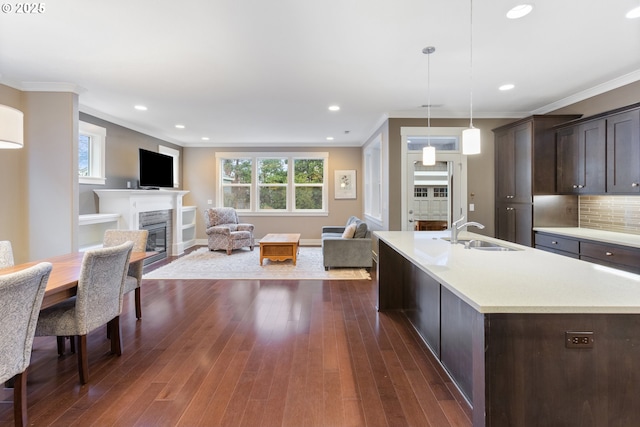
505,166
514,222
592,144
568,160
523,157
623,153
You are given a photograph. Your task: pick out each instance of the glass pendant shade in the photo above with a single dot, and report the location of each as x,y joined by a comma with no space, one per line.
11,127
429,156
471,141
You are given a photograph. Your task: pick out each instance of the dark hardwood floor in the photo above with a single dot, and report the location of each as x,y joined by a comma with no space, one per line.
247,353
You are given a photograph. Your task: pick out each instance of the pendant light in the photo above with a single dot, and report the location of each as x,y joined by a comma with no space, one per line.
11,127
471,136
429,152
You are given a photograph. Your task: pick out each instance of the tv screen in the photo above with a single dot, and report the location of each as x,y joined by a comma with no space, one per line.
156,170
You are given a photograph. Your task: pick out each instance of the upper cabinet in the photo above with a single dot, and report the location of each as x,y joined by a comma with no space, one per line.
525,154
581,161
600,154
623,152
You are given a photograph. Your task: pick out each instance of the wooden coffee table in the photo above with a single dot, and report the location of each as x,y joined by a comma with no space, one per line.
279,247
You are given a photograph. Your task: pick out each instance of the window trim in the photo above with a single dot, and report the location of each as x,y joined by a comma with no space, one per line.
97,155
291,158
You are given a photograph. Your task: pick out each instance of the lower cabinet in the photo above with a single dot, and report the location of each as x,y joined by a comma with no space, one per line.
422,304
514,222
616,256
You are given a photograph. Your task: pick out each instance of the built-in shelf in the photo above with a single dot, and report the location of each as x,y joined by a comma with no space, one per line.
92,228
189,226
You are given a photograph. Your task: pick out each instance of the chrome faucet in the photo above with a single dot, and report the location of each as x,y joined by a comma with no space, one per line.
455,228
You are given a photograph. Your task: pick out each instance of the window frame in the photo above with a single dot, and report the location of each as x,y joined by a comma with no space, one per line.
97,153
291,186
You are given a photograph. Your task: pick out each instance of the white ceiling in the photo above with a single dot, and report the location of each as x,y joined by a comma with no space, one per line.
253,72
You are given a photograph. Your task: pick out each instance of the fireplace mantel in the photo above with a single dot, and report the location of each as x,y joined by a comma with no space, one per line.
129,204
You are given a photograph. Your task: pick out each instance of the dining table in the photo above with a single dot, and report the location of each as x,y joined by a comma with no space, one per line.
65,272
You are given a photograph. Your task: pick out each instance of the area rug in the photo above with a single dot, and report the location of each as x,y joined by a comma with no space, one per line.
245,264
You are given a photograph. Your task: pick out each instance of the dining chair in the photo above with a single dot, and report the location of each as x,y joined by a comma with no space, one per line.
133,281
6,254
21,296
98,301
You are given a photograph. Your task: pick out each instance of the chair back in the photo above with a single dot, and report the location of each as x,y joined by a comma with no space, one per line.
219,216
101,285
139,239
6,254
118,237
21,296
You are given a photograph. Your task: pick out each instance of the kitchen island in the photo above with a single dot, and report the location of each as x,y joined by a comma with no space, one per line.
530,338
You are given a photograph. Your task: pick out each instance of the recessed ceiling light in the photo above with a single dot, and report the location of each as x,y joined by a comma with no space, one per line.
334,108
633,13
180,126
519,11
329,138
205,138
140,108
508,86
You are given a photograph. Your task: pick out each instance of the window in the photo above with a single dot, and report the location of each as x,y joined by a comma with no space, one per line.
91,154
176,162
373,179
271,183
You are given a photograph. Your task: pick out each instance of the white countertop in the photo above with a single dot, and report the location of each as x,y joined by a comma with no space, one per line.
523,281
613,237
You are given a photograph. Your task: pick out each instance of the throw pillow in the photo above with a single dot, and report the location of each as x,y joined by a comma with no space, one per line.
361,230
349,231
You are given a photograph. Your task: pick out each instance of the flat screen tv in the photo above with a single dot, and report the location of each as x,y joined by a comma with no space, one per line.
156,170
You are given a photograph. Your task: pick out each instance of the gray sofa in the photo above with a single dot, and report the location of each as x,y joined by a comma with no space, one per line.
347,252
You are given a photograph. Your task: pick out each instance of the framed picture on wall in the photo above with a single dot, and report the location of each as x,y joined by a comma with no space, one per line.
345,184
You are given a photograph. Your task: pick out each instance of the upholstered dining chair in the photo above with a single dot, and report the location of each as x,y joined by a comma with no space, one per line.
98,301
225,231
133,281
6,254
21,296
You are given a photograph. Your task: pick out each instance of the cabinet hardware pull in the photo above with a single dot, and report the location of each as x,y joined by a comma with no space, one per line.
575,186
580,186
608,253
634,184
554,242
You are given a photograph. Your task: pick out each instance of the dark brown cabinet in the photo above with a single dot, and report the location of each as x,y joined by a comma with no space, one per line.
525,165
623,152
625,258
514,222
581,161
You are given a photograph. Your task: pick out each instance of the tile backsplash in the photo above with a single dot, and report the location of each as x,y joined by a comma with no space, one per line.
611,213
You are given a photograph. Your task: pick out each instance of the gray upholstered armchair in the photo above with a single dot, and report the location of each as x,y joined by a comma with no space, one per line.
225,231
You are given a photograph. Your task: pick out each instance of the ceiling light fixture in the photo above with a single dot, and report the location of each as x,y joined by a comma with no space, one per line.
519,11
633,13
11,127
429,152
334,108
329,138
205,138
179,126
508,86
471,136
140,108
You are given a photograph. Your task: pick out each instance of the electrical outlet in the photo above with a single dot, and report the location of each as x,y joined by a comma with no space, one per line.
578,339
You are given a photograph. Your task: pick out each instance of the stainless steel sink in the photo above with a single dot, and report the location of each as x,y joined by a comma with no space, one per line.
482,245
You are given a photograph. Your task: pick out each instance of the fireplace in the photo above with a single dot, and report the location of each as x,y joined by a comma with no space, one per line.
157,241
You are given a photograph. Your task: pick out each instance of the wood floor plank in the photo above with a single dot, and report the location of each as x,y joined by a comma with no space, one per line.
247,353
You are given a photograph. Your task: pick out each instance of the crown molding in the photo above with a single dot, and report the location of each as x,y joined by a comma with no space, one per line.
626,79
43,86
